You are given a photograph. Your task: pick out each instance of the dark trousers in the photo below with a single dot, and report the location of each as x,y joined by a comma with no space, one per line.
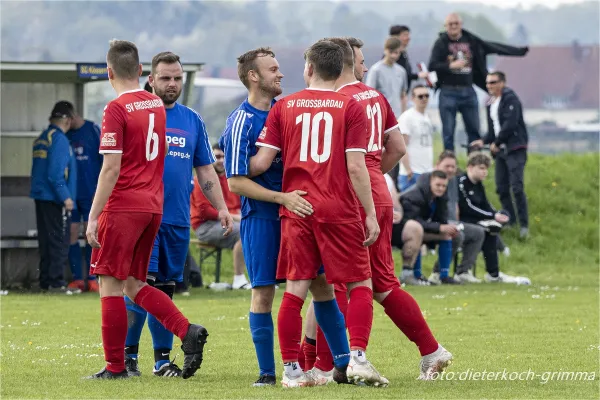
490,254
463,100
53,228
510,169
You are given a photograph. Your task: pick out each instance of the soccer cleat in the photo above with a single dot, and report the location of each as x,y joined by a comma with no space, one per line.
467,277
265,380
76,287
302,380
106,374
168,370
131,365
365,373
193,348
321,378
434,363
340,375
93,286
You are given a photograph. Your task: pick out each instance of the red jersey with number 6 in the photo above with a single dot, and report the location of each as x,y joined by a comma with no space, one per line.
134,124
381,120
314,129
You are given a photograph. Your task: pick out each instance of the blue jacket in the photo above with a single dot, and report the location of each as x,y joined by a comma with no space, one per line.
85,143
54,170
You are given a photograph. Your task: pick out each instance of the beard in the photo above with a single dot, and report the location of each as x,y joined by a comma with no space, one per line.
270,88
168,97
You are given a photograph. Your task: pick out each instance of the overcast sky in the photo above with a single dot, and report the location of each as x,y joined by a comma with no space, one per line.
513,3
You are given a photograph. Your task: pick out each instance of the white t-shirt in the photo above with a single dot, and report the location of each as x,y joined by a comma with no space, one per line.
494,114
420,144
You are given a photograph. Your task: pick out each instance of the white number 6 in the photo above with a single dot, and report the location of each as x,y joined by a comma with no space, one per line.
151,140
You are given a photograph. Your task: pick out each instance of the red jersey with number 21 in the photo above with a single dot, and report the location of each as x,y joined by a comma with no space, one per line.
381,120
134,124
314,129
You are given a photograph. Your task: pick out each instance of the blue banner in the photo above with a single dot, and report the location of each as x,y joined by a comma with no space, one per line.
92,71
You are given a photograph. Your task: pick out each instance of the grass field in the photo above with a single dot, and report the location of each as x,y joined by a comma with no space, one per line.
49,342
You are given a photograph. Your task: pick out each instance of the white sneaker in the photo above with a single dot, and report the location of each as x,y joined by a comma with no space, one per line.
467,277
504,278
365,373
506,252
408,278
321,378
435,362
241,285
434,278
304,380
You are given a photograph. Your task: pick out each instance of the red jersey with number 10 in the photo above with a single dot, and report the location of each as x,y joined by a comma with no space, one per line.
314,129
381,120
134,124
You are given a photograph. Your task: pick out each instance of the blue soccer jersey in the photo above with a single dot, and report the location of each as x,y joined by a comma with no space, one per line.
85,143
188,147
243,126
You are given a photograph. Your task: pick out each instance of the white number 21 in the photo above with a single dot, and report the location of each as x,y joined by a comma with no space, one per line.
376,126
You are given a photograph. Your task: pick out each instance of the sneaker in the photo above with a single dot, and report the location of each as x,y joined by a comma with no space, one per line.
106,374
409,278
467,277
131,366
93,286
435,362
321,378
434,279
302,380
524,233
59,290
448,280
76,287
506,251
168,370
504,278
193,348
365,373
265,380
243,286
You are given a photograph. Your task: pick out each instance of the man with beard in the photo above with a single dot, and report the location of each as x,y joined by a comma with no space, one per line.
189,148
260,226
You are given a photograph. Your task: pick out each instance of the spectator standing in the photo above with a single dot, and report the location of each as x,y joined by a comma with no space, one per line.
507,136
84,137
417,130
459,59
402,33
53,180
390,78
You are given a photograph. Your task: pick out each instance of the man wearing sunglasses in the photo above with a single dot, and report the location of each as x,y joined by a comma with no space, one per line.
417,130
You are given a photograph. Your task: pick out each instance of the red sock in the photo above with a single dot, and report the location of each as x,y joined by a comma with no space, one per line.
289,326
342,300
114,332
324,360
309,350
359,317
404,311
301,355
157,303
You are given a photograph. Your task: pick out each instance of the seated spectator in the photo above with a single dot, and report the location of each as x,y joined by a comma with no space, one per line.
208,228
474,208
407,235
427,203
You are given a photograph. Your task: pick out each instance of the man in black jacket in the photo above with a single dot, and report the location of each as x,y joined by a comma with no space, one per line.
427,203
474,208
459,59
507,137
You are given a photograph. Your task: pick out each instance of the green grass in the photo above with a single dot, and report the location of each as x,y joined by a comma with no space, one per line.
49,342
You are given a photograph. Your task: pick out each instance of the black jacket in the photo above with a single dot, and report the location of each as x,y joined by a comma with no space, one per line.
416,203
473,205
513,132
439,63
404,62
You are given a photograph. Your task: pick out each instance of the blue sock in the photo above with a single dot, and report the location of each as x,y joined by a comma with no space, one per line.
261,327
331,320
161,338
136,318
445,257
88,256
417,268
75,261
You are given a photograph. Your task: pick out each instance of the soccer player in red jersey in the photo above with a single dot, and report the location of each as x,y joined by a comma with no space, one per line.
383,133
126,214
322,138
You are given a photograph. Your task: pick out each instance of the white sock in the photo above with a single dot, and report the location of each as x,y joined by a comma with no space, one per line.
360,355
239,279
292,369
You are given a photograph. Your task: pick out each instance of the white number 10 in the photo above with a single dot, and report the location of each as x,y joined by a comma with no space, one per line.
372,112
151,140
312,133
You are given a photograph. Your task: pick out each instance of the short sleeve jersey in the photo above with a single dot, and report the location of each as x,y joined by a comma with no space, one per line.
380,121
134,124
314,129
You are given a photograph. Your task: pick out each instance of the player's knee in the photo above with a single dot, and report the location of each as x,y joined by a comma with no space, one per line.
132,287
74,233
262,299
321,290
413,231
367,283
380,297
167,288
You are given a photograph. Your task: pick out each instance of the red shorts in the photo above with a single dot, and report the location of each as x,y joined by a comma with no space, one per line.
380,253
307,244
127,240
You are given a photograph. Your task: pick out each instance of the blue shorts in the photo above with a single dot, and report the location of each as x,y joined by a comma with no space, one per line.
82,209
260,243
169,253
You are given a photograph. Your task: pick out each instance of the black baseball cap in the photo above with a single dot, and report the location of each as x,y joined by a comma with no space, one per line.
62,109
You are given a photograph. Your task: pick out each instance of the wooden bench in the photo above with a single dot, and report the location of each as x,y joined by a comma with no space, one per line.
209,253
